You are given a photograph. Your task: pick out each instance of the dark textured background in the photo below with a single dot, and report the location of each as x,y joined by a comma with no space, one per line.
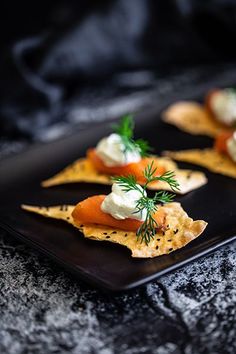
59,57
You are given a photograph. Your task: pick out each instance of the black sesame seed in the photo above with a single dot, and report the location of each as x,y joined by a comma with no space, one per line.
126,235
114,232
158,239
169,240
175,231
170,249
157,247
108,236
104,233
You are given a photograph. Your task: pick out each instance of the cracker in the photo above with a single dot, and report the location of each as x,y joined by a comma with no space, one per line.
180,230
193,118
79,171
82,170
208,158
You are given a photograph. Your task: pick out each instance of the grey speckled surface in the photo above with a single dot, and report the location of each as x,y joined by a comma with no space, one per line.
44,310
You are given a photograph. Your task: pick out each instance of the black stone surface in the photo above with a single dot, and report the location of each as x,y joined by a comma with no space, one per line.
44,310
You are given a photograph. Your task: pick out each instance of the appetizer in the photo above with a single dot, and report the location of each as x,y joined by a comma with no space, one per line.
219,159
149,227
120,155
216,116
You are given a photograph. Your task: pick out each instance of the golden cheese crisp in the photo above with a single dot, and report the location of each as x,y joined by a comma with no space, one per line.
193,118
209,158
82,170
180,230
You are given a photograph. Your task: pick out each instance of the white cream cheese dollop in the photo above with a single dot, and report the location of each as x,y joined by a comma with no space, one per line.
122,205
223,105
231,146
111,151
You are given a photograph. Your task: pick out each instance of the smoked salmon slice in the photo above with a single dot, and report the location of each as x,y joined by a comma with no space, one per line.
221,142
136,169
89,212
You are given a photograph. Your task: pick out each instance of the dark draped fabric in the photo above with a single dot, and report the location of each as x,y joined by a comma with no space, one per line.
62,57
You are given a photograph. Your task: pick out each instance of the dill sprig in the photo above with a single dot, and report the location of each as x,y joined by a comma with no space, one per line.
147,230
127,183
125,129
168,177
231,90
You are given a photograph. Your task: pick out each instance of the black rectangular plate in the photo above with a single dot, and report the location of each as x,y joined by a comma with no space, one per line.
103,264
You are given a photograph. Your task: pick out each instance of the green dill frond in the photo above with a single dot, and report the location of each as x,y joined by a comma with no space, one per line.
149,171
125,129
163,197
168,177
127,183
147,230
143,147
231,90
